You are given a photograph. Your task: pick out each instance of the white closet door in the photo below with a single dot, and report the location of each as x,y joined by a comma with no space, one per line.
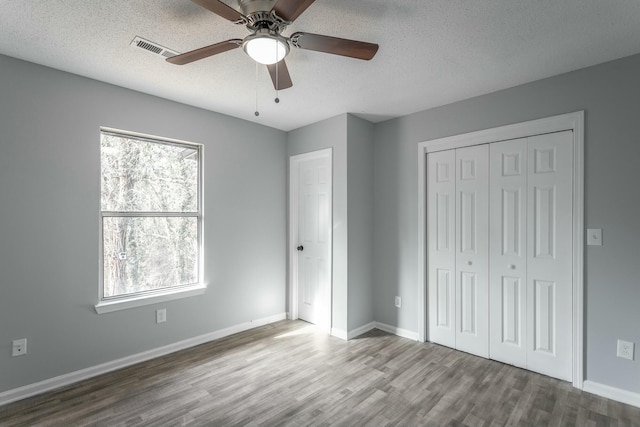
508,294
508,251
472,250
441,247
549,259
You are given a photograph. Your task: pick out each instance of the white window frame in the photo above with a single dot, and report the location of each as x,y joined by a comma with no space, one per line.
107,305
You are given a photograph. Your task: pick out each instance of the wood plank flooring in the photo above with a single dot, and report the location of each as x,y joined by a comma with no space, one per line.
289,374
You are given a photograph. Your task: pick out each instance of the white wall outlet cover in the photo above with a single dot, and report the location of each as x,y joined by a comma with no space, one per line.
625,349
594,236
398,302
161,315
19,347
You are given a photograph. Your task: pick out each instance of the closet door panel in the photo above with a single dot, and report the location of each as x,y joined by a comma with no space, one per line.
549,261
508,250
441,247
472,246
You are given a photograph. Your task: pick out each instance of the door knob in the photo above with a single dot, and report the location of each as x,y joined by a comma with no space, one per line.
300,248
512,266
469,263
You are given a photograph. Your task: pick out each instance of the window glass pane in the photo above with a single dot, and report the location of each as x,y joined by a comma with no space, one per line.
150,253
139,175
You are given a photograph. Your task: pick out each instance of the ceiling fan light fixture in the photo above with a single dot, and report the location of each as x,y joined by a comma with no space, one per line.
265,47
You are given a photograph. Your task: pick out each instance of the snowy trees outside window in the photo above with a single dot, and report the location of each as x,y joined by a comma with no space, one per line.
150,214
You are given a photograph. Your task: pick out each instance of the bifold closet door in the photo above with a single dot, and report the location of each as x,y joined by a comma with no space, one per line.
531,253
508,251
441,262
457,199
472,250
550,254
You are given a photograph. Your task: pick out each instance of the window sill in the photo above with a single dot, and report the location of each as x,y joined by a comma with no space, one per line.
139,301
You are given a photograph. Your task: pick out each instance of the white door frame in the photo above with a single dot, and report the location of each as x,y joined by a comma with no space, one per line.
294,204
571,121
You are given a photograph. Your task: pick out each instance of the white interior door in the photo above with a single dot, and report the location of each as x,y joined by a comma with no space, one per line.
314,240
441,186
550,255
508,251
472,250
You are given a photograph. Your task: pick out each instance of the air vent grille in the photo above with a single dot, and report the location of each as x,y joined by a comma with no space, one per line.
149,46
153,47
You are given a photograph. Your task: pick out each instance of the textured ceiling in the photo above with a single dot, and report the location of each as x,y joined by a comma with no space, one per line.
431,52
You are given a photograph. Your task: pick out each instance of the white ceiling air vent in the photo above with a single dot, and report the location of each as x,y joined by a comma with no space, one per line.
153,47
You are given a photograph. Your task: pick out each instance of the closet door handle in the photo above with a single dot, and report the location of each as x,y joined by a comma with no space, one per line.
469,263
512,266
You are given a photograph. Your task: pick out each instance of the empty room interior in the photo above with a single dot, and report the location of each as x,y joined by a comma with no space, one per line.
395,213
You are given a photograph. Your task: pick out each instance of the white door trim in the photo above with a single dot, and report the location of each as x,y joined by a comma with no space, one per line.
294,164
570,121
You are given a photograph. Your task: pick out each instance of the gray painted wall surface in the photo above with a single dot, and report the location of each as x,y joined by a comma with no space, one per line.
49,205
360,191
609,94
325,134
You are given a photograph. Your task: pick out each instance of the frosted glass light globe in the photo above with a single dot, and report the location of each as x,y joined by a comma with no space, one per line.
266,49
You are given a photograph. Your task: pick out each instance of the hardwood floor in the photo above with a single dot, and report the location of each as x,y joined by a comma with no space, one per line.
288,374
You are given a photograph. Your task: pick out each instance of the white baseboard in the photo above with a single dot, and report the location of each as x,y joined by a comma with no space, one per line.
624,396
405,333
83,374
339,333
361,330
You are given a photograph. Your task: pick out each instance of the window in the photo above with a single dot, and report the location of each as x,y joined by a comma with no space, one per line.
150,220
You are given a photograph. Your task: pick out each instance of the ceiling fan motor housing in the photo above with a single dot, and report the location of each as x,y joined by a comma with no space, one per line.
259,14
265,20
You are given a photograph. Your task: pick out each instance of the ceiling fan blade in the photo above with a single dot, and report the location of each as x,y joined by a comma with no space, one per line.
205,52
280,76
289,10
334,45
221,9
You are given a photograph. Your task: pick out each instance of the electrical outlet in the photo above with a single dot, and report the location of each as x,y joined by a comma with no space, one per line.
19,347
398,302
161,315
625,349
594,236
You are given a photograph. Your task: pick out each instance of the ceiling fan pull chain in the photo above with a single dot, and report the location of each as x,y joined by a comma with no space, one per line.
277,100
257,113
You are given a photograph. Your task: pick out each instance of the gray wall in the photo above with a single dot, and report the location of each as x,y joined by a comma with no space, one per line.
49,205
360,191
325,134
610,95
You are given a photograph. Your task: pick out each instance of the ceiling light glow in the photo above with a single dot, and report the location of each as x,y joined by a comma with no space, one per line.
266,48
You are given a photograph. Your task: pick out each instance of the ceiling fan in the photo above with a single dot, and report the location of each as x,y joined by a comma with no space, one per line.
267,19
